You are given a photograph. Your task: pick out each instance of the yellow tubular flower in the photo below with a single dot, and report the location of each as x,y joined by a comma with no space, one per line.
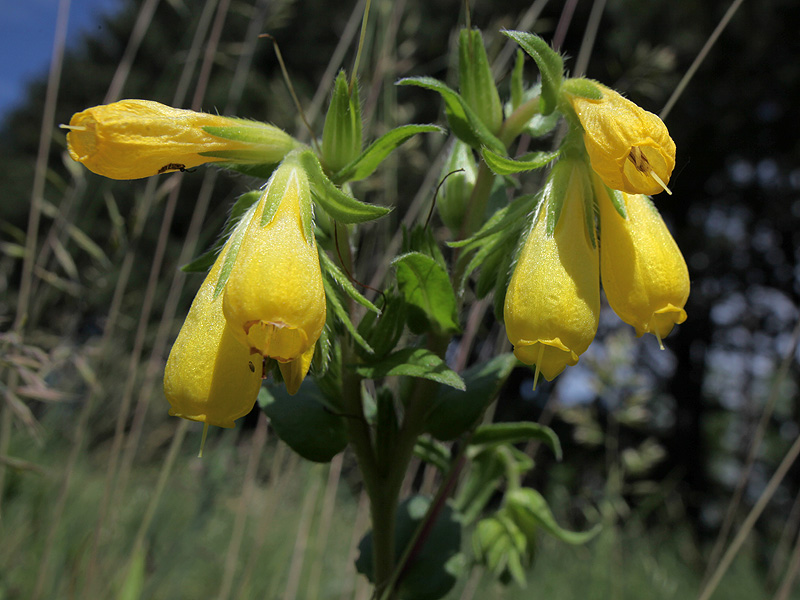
643,271
210,376
629,147
553,301
131,139
274,298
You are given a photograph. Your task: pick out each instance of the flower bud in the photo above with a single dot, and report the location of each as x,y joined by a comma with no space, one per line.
629,148
210,375
131,139
476,82
459,174
553,301
341,135
643,271
274,298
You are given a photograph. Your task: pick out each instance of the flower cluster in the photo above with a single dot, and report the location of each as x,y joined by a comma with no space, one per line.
264,297
553,299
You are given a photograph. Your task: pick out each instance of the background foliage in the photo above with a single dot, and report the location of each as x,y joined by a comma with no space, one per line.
655,443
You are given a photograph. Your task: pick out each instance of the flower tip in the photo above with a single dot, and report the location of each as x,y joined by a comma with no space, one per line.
203,440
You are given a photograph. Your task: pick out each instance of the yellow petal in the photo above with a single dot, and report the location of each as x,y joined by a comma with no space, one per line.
131,139
643,271
553,299
629,148
295,371
210,375
274,298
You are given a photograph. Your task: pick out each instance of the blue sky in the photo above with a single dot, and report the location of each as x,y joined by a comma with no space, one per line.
26,39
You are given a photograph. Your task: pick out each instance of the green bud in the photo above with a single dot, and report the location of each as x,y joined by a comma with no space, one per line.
341,136
476,81
459,175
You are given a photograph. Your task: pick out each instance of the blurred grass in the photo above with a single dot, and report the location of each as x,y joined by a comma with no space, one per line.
226,526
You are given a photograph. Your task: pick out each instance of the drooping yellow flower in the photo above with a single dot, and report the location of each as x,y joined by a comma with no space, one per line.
629,147
210,375
274,298
553,300
643,271
131,139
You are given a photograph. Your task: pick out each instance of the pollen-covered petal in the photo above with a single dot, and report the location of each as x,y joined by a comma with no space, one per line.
210,376
274,297
629,148
553,298
131,139
643,271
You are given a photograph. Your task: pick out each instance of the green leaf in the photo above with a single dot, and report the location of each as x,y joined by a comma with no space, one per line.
335,273
454,412
338,204
303,422
383,332
466,125
516,80
428,293
365,164
341,313
412,362
503,165
496,434
436,565
550,63
475,79
529,507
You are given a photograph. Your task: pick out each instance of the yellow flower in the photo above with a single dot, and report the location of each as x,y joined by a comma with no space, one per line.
643,271
131,139
629,147
210,376
553,299
274,298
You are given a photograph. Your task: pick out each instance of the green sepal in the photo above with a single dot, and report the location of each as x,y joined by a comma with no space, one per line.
337,203
502,165
582,87
436,565
422,239
364,165
475,81
338,309
466,125
433,452
500,545
497,434
555,192
257,171
550,63
204,262
428,293
234,243
412,362
303,422
529,509
616,197
341,134
335,273
453,413
268,144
